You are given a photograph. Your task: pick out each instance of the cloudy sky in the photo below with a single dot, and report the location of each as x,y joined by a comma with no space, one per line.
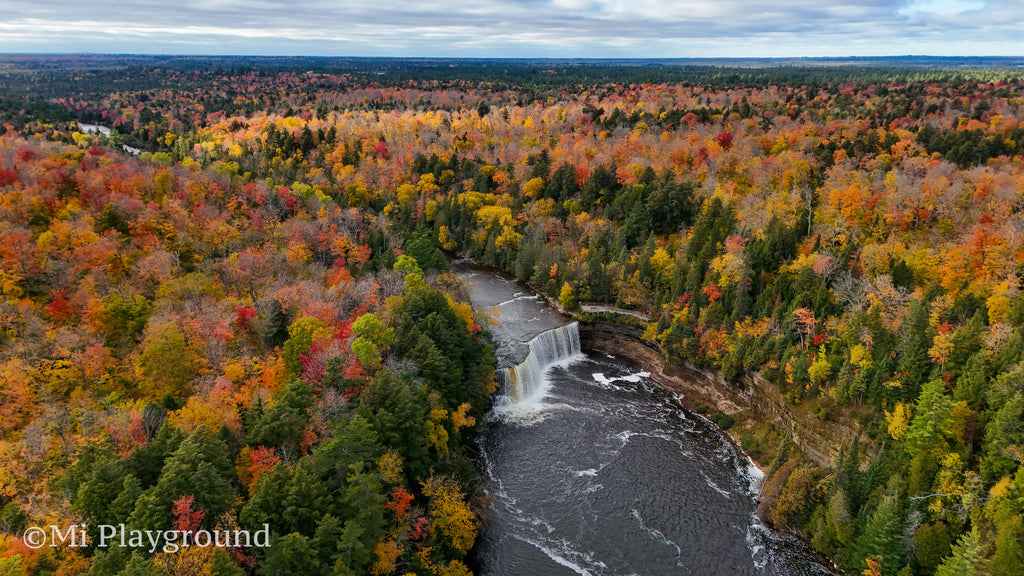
517,28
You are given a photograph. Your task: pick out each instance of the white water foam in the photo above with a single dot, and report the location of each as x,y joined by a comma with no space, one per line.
657,534
626,435
560,556
528,413
500,492
756,534
517,297
714,486
635,377
534,521
755,475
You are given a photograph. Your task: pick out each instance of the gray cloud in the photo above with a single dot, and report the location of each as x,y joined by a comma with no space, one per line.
518,28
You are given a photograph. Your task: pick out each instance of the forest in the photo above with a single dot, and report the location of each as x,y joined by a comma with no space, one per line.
253,321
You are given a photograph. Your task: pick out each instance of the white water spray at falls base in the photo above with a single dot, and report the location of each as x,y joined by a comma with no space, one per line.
527,383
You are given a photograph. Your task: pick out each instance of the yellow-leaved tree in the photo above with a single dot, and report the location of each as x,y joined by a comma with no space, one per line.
898,421
454,520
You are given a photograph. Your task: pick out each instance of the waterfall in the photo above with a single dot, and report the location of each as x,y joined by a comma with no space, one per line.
526,381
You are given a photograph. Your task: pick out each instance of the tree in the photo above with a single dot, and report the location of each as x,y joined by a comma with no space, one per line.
805,321
799,497
285,420
147,461
167,362
398,414
914,363
532,188
881,538
408,265
424,248
301,335
372,337
97,489
221,564
386,553
898,420
114,562
291,499
290,554
200,466
567,298
124,319
364,501
932,419
450,357
454,520
966,559
931,544
1008,559
1004,437
353,441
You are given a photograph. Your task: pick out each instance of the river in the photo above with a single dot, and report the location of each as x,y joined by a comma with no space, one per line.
105,131
595,470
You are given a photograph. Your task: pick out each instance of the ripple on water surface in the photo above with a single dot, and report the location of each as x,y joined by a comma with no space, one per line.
606,474
609,475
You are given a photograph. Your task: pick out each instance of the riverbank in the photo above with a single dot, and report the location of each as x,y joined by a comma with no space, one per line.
754,402
820,440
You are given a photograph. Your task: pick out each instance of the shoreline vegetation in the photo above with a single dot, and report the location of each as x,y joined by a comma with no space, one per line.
265,283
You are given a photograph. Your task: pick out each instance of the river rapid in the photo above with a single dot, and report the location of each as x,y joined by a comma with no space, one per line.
595,470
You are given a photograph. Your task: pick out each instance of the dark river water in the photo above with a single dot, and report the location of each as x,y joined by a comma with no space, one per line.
599,471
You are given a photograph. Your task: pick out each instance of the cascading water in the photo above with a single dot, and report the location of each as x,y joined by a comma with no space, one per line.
526,382
592,469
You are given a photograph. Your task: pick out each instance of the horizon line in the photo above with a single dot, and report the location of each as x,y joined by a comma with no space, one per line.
512,58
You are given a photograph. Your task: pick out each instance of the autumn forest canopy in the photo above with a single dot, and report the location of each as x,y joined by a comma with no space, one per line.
247,315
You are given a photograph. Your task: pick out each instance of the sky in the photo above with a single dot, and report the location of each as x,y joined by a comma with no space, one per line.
517,28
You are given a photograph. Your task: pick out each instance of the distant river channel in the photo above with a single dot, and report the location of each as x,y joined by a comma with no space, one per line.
601,472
